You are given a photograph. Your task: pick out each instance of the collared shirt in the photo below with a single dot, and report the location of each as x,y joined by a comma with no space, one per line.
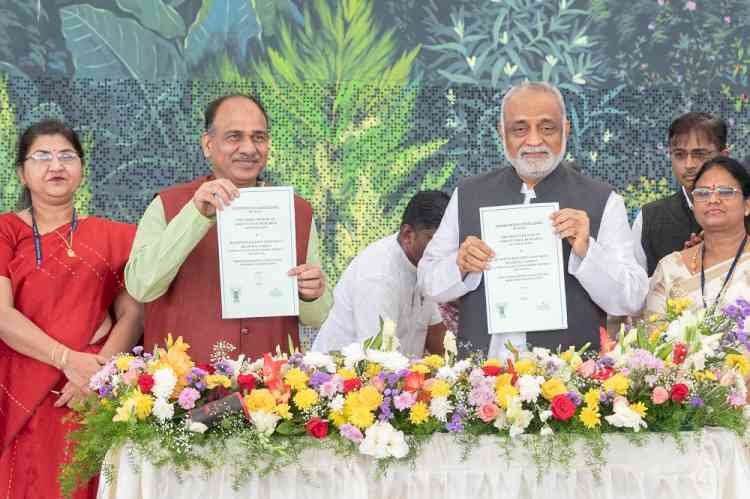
608,272
160,249
637,233
380,282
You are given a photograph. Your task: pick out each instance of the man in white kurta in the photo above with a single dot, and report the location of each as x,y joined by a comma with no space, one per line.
381,282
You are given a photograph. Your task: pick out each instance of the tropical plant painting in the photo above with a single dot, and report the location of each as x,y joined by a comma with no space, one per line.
369,100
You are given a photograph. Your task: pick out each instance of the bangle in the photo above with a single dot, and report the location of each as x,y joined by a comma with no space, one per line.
53,354
64,359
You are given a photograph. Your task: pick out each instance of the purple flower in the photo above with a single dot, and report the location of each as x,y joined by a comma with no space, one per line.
201,386
224,367
105,391
295,360
187,398
574,397
318,378
351,432
605,362
393,378
696,401
137,350
455,425
385,410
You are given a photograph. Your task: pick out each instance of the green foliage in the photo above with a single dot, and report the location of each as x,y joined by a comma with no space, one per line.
341,111
644,191
9,183
503,43
155,15
219,26
84,195
684,44
106,46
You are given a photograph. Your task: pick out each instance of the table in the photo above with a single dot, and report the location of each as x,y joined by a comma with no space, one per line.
714,466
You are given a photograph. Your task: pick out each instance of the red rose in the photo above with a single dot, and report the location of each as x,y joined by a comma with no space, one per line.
352,384
492,370
246,382
563,408
317,427
679,352
145,383
679,392
603,374
206,367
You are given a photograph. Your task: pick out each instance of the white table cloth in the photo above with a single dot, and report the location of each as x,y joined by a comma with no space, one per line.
716,466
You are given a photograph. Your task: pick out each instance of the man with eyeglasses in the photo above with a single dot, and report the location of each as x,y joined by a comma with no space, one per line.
174,263
664,226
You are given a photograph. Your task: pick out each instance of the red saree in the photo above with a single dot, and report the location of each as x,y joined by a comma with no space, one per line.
68,298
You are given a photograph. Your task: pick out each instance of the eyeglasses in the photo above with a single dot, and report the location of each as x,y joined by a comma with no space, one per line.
703,194
700,155
45,157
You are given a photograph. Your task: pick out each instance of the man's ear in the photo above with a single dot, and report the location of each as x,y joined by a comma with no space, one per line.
567,128
406,233
206,143
19,172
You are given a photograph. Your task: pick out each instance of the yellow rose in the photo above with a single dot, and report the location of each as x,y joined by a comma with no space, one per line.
214,380
618,384
504,394
503,379
567,355
525,366
552,388
370,397
126,411
260,399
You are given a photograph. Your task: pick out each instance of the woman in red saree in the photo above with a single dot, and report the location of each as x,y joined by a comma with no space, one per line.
64,310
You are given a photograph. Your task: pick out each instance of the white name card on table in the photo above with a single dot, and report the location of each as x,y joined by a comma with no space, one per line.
257,248
525,285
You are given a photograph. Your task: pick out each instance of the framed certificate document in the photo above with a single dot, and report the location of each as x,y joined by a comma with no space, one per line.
525,285
256,250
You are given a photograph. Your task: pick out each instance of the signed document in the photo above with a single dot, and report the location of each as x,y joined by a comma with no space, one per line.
525,285
256,250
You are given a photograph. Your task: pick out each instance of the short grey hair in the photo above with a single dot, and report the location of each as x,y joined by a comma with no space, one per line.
541,86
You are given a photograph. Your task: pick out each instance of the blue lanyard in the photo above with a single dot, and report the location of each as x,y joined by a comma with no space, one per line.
726,279
38,237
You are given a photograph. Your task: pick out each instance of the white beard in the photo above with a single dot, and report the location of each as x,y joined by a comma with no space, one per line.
535,169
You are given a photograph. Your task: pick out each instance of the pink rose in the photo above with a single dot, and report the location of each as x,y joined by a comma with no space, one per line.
488,412
659,395
587,368
130,377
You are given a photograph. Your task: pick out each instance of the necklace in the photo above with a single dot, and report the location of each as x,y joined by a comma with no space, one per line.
38,237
